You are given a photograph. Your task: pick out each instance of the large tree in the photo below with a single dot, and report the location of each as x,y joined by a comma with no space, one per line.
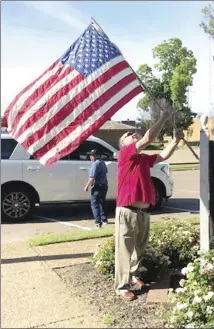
176,66
208,25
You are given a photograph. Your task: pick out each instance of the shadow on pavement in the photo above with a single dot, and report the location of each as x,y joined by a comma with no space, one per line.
180,205
80,212
43,258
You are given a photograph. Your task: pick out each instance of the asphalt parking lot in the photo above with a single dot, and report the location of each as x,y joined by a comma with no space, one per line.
70,217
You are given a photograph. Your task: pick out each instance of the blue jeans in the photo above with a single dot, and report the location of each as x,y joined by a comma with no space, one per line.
98,197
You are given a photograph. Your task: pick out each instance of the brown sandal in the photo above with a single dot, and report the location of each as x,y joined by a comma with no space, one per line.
128,295
137,282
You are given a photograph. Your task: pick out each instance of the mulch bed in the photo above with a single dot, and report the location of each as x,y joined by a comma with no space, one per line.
99,295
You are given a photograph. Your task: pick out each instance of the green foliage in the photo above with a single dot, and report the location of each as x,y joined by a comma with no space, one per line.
208,25
152,265
155,146
194,300
177,65
179,240
173,243
104,260
107,319
152,83
185,118
148,78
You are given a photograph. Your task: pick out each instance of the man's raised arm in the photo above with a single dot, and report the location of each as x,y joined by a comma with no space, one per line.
153,132
171,147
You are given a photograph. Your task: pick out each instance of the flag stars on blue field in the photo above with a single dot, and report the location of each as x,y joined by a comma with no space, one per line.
89,52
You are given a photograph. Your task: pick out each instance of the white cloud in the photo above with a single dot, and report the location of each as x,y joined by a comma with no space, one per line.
61,11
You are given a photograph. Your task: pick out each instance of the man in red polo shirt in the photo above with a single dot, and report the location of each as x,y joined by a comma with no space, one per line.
135,194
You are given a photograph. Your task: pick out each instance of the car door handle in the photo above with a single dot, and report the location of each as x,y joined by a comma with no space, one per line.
33,168
84,168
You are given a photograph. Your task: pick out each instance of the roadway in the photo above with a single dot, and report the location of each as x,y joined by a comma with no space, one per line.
53,219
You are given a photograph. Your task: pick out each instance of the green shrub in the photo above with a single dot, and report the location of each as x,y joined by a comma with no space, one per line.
172,243
103,258
179,240
194,300
153,262
155,146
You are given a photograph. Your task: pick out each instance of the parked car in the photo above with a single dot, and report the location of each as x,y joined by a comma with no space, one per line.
25,182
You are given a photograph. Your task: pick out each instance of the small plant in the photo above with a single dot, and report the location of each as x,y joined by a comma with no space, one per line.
194,300
107,319
103,259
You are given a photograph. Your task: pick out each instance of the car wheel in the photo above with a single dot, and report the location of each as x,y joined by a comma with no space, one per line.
16,204
159,195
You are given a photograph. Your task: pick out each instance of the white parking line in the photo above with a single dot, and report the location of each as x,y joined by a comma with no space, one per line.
182,209
64,223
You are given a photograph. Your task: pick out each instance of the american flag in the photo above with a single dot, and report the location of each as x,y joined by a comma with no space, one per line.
73,98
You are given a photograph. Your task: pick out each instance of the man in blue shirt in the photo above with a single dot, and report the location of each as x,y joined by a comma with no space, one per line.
99,187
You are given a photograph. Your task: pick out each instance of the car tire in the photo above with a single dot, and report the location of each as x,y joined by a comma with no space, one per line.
159,195
17,204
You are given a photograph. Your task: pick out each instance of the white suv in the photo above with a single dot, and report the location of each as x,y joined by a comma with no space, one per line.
25,182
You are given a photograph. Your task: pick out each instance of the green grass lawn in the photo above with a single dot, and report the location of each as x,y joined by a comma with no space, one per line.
45,239
185,166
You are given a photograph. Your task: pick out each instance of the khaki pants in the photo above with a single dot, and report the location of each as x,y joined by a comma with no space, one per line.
131,238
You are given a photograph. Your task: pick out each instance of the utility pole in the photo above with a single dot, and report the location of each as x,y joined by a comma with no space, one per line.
211,141
204,186
207,171
211,177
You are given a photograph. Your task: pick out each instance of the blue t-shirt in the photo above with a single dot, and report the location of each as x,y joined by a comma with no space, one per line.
98,171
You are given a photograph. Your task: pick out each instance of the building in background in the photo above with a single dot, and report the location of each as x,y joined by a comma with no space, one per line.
111,131
193,132
129,122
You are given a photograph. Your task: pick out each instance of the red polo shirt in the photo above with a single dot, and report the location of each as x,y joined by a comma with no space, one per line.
137,185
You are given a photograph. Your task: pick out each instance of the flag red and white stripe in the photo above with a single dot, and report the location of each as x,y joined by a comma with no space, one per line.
62,108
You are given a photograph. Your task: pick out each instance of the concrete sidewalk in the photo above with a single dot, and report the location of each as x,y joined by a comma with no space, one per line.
34,296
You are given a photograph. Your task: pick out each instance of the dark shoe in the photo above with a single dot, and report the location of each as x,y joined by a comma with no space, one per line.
137,282
128,295
98,226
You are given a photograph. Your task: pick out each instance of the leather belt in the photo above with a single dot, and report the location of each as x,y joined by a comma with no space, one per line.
147,210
